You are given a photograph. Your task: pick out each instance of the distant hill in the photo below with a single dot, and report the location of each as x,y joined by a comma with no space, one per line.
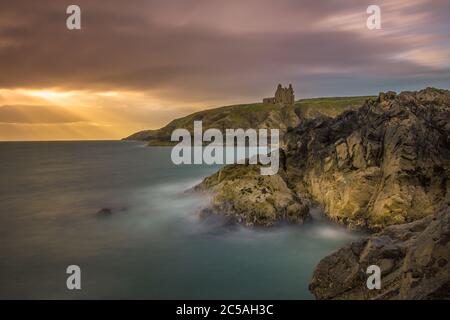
255,115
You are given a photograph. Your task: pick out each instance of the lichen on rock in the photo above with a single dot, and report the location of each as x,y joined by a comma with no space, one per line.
243,194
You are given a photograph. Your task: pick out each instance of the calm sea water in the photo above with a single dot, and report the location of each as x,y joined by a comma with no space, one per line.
153,245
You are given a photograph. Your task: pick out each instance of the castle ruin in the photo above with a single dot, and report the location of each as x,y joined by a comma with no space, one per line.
284,96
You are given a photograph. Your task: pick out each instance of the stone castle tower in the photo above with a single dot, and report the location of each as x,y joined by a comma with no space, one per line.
283,96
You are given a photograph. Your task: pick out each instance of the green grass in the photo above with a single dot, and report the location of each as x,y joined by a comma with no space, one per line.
331,106
333,101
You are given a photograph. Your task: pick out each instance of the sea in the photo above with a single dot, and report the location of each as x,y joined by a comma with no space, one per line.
152,244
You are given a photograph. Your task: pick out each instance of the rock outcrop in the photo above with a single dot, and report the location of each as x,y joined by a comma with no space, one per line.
386,163
241,193
104,212
414,259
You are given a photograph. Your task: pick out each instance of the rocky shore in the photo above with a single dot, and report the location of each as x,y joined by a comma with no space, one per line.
414,259
241,193
385,164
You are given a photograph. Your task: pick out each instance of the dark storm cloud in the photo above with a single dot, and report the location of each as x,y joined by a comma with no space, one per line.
211,49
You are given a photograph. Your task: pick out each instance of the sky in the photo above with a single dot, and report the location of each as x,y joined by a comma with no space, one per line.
138,64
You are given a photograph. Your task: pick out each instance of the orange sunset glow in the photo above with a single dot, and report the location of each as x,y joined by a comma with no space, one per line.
138,67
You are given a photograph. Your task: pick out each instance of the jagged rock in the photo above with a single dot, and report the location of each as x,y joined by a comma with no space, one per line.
386,163
414,261
243,194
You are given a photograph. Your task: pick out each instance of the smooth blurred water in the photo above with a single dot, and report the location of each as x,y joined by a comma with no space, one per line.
153,245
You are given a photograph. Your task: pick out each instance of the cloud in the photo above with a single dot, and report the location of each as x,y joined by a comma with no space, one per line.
170,57
197,46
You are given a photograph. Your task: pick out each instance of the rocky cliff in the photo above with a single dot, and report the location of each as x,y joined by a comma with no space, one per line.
383,164
386,163
413,257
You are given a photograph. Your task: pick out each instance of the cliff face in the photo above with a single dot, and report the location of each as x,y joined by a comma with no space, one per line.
414,261
386,163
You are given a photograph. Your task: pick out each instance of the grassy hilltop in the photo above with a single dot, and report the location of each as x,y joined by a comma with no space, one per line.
254,115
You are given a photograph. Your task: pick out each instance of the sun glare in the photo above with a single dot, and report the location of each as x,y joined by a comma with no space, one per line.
48,94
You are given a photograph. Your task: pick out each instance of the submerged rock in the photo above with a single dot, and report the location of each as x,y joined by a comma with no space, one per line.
414,259
104,212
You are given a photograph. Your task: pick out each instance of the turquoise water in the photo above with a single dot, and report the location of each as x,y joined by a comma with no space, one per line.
153,245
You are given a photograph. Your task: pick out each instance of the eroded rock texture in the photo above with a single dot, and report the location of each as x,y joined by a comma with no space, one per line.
386,163
241,193
414,259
